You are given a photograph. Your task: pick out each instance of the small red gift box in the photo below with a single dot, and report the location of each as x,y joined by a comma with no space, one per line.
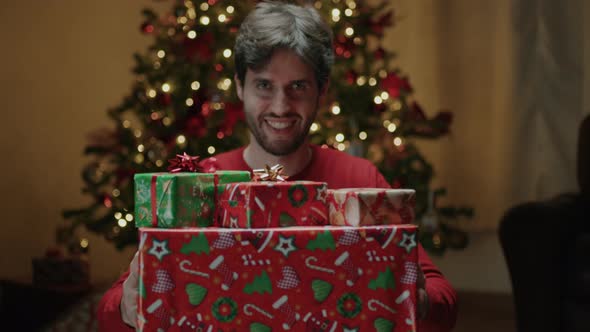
367,206
273,204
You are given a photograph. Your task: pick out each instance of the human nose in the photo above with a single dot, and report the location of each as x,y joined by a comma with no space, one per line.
280,103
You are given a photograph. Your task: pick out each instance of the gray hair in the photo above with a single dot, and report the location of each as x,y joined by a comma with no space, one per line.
275,25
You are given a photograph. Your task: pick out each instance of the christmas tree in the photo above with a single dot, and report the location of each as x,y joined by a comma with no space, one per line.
183,101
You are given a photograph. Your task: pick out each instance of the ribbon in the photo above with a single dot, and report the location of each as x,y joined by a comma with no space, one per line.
184,163
274,173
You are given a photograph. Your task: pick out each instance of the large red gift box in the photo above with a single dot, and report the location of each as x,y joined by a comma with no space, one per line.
273,204
277,279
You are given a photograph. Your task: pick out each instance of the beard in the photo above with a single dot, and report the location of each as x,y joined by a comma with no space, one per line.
278,147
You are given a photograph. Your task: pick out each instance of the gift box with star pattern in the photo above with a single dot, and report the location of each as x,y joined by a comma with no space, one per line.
316,278
273,204
184,199
371,206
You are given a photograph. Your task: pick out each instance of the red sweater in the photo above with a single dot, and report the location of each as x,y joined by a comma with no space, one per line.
338,170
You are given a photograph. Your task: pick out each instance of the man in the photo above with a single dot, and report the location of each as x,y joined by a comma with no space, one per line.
283,55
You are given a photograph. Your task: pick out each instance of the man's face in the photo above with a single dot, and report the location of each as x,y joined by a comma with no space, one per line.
280,102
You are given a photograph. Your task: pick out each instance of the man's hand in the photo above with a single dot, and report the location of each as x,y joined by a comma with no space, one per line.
129,299
423,302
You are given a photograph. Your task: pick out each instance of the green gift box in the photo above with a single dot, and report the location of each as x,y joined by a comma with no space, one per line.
174,200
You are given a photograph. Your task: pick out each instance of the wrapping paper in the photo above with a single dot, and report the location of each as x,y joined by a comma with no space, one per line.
365,206
278,279
169,200
273,204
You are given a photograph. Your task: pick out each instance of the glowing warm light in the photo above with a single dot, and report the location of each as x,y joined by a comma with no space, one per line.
372,81
159,163
195,85
377,100
339,137
363,135
397,141
137,133
335,109
341,147
166,87
349,31
139,158
122,222
182,20
126,123
181,139
391,127
361,80
335,12
348,12
129,217
314,127
192,34
116,192
230,9
161,54
211,150
221,18
224,84
140,148
205,20
190,102
227,53
118,215
191,13
84,243
335,18
167,121
384,95
383,73
151,93
204,6
351,4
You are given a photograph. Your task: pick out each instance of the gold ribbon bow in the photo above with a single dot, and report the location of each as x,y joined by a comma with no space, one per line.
268,173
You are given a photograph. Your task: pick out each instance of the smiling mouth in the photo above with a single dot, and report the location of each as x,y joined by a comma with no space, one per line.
279,124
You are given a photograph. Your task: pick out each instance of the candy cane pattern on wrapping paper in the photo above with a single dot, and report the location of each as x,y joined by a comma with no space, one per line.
372,302
259,310
189,271
309,264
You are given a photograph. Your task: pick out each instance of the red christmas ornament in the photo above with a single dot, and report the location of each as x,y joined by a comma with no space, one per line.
379,53
379,25
196,126
199,49
164,99
147,28
351,76
415,113
394,84
184,163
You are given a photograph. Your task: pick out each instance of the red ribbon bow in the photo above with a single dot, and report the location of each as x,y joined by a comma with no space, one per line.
184,163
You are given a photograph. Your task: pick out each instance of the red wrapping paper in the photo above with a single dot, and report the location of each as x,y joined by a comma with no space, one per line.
368,206
273,204
279,279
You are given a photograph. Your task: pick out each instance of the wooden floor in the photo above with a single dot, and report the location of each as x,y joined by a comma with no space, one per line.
484,312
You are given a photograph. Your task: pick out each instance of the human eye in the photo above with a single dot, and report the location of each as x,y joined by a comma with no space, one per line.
299,86
262,85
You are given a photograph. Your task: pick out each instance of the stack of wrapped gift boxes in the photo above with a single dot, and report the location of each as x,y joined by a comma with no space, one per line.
219,252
